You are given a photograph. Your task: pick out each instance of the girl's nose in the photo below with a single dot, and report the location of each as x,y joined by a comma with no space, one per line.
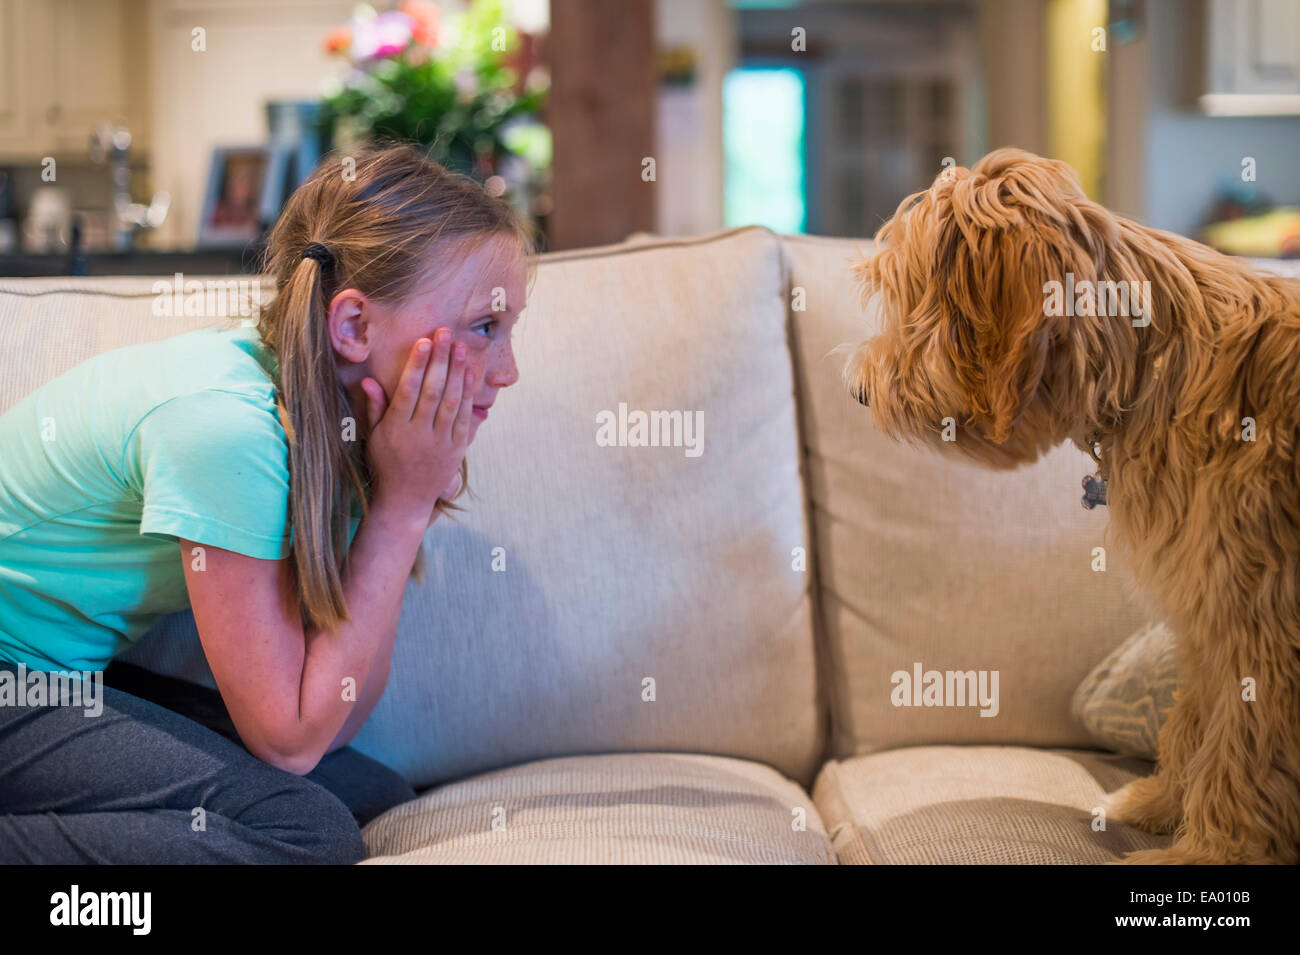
503,372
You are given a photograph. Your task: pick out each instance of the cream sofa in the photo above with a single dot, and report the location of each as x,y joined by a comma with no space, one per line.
643,654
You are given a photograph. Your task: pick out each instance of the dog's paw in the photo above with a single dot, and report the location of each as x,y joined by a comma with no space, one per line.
1146,804
1170,856
1183,852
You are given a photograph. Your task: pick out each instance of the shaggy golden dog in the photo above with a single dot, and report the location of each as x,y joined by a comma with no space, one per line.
1187,390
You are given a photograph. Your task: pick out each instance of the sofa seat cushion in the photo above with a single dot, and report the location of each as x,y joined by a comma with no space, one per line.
635,808
980,805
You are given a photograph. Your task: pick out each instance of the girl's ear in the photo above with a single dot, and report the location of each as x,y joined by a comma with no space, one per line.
351,331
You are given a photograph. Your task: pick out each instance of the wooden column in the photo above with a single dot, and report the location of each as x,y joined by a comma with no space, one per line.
604,88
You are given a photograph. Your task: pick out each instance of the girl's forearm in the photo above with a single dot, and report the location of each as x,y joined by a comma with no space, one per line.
376,681
369,696
380,560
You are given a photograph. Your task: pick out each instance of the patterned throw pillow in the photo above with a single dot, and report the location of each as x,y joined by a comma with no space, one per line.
1122,703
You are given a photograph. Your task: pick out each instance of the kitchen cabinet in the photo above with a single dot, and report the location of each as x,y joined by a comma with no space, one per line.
67,66
1252,57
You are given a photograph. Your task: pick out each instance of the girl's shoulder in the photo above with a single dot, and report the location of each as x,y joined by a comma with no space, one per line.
111,393
233,360
228,358
223,376
211,388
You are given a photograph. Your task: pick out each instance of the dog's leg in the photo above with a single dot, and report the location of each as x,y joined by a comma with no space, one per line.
1243,789
1155,803
1241,800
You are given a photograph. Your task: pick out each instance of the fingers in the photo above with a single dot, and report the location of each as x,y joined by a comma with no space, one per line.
460,430
376,401
408,386
450,404
440,371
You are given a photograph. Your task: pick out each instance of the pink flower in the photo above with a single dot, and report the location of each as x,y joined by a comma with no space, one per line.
385,35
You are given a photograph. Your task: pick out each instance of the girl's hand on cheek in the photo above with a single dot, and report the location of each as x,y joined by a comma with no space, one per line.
418,441
451,488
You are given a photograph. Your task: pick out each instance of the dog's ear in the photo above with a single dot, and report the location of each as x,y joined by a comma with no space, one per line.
1003,231
992,305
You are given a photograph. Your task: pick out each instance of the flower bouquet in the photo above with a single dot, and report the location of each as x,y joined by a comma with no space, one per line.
469,88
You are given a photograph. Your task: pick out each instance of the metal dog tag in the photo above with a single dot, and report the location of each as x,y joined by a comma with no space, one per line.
1094,492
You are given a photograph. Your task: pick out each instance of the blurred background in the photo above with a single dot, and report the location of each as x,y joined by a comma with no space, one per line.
142,136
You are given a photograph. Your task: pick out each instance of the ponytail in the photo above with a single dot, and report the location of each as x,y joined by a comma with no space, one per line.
312,407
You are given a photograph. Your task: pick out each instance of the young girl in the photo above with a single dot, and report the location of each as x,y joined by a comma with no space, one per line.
278,480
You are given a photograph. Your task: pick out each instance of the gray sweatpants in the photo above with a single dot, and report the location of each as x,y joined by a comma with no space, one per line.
168,782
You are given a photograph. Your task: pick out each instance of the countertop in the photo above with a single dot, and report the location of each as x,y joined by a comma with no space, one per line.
190,262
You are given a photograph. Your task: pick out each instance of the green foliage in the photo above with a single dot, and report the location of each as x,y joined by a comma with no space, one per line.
457,97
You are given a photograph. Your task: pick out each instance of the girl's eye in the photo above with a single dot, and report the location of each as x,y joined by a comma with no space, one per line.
486,328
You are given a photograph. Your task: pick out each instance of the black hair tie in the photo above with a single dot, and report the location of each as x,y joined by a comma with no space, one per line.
321,253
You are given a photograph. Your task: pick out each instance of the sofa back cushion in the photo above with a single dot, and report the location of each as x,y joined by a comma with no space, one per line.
927,560
597,595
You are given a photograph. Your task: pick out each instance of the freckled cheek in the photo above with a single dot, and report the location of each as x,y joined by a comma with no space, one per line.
473,351
477,363
501,364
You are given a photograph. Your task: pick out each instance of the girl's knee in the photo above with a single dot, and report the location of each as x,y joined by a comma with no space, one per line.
367,787
327,830
291,819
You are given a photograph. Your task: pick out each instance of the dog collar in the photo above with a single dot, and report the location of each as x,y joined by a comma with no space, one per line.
1094,485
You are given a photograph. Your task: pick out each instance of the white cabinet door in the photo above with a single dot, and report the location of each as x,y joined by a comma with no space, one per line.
86,69
1253,56
23,129
63,71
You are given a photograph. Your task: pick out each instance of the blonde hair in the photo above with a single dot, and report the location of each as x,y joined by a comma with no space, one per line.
379,213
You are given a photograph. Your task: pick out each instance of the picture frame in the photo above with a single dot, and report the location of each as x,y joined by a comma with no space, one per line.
244,194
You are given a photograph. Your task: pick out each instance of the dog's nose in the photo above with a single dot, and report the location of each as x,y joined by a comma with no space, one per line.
861,395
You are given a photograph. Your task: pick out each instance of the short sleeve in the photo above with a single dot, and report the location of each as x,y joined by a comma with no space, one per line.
213,466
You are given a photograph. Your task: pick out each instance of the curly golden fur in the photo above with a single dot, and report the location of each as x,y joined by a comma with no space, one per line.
1195,408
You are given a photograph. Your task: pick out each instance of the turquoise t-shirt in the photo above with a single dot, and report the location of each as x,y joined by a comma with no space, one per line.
103,468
